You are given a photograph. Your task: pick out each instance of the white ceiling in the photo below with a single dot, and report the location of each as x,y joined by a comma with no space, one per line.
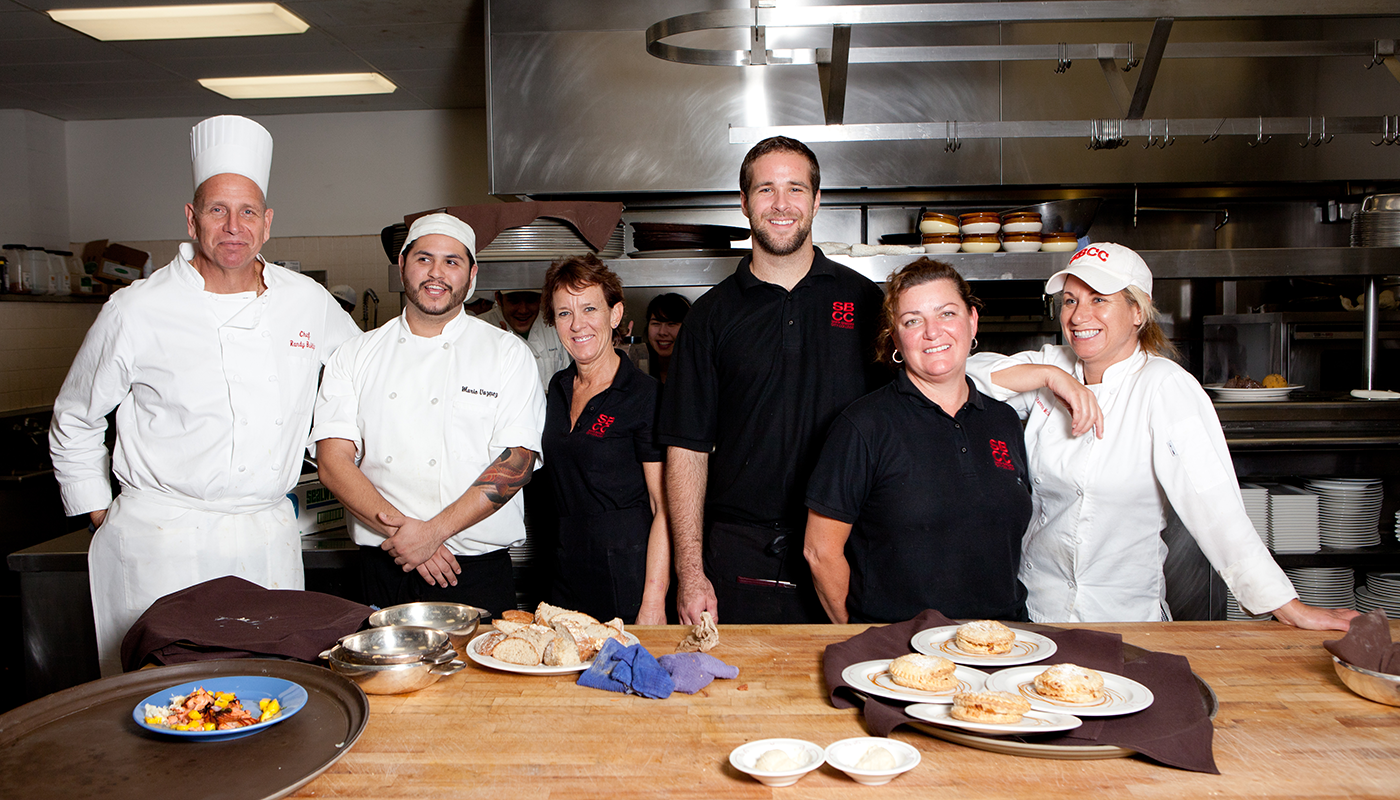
434,50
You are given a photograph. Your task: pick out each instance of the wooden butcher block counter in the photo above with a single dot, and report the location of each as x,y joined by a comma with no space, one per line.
1286,727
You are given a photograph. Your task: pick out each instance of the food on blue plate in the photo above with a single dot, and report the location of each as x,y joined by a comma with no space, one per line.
202,710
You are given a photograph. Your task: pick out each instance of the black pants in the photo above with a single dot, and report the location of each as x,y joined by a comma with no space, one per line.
760,575
486,581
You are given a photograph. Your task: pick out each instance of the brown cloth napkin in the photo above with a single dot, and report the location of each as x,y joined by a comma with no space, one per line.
232,618
1367,644
595,222
1175,730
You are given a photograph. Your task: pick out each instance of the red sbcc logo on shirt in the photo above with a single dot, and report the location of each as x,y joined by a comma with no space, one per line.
601,425
1001,455
843,315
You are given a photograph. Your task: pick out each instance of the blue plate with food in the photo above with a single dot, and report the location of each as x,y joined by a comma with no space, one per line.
220,708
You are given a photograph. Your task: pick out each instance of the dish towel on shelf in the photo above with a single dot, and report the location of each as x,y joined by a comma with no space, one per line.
694,671
1367,644
1175,730
630,670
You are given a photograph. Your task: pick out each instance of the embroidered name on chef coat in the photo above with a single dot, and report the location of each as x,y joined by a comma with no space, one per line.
303,341
479,392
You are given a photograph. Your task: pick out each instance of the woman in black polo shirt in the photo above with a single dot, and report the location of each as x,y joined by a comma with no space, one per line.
614,552
920,497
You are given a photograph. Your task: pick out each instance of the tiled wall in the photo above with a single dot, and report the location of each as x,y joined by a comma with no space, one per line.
39,340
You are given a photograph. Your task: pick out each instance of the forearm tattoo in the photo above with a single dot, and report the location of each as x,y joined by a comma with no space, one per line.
506,475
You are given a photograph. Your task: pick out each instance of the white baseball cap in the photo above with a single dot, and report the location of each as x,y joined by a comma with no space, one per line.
231,144
344,293
1108,268
444,224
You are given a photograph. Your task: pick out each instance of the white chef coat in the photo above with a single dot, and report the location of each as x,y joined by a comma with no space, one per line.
1093,551
429,414
213,404
548,350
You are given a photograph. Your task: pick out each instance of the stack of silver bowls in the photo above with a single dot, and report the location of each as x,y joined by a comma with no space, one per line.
394,659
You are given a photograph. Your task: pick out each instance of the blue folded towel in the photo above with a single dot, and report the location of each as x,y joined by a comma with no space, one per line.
631,670
694,671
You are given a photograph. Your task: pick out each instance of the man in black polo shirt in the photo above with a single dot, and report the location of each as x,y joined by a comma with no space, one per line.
765,361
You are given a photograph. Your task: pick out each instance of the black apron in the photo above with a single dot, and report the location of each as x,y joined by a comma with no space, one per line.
601,563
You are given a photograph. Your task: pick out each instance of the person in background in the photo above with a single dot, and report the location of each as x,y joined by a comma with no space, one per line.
519,312
614,553
345,295
665,313
921,493
426,429
211,364
1093,551
766,360
479,304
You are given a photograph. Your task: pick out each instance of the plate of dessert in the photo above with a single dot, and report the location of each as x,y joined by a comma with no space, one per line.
993,713
1069,688
915,678
984,643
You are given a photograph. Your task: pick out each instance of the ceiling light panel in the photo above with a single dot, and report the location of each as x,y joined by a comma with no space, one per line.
181,22
334,85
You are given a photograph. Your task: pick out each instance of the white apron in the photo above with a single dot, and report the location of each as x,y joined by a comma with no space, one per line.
151,545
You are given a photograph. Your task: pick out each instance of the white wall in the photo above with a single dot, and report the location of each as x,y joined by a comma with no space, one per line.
332,174
33,180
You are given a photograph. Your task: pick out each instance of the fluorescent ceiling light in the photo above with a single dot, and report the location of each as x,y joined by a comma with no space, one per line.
181,22
300,85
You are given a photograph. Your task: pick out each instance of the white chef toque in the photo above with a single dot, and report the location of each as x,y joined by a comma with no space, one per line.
445,225
1107,268
231,144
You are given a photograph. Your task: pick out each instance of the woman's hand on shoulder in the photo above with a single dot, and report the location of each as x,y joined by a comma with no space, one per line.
1084,411
1298,614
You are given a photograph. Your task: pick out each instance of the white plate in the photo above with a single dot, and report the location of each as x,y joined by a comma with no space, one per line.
1120,695
1033,722
807,755
1028,648
1225,395
1374,394
487,661
873,677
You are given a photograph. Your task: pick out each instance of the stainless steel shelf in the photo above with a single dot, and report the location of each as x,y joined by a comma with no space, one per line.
1236,264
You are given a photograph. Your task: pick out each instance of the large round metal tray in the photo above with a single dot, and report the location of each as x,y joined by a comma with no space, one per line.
1059,752
82,742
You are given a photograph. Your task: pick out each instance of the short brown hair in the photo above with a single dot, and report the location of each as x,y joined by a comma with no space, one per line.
578,273
925,270
778,144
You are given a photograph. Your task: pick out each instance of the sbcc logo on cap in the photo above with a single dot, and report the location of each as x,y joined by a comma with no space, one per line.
1103,255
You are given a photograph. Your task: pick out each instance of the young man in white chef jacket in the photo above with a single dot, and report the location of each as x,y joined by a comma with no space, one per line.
427,428
211,364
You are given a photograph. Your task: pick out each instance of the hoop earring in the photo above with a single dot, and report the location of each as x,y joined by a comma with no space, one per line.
896,359
974,344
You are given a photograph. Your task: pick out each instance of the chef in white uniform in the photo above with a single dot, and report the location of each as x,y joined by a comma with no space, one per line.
519,311
427,428
211,364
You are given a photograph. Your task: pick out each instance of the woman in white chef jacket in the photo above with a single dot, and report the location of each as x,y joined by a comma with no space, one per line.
1093,551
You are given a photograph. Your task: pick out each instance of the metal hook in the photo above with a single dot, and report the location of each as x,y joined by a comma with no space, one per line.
1309,140
1385,133
1376,58
1167,139
1259,138
1323,138
1151,140
1132,62
1064,62
1215,135
950,134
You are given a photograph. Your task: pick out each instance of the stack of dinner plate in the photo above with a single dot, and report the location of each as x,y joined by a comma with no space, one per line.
1397,525
1233,610
1381,590
1348,510
1324,587
1292,520
1256,505
1377,224
545,239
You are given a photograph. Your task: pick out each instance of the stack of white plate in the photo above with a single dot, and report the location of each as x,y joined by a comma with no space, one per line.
1292,520
1233,610
1348,510
1397,524
1381,590
1324,587
545,239
1225,395
1256,505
